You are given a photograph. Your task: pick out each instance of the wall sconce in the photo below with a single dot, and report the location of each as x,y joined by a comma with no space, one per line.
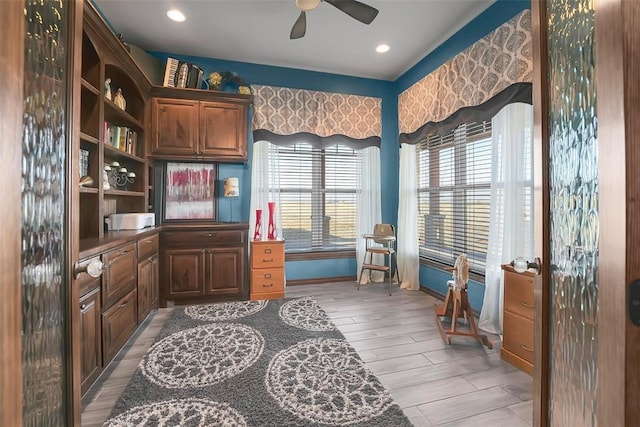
118,176
231,189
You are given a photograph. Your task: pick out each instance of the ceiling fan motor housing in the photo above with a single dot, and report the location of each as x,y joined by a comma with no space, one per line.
307,5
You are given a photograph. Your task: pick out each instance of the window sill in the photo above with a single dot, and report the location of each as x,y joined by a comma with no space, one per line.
311,256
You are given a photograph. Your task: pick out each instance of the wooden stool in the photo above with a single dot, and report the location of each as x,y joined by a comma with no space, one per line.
456,305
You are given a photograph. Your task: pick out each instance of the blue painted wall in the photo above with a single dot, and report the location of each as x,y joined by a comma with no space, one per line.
311,80
432,278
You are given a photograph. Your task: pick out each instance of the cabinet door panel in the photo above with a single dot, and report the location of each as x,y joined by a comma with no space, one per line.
91,339
223,132
119,278
154,283
118,323
175,127
144,289
185,273
225,271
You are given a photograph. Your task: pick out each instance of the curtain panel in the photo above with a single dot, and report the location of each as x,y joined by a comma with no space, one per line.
474,76
282,115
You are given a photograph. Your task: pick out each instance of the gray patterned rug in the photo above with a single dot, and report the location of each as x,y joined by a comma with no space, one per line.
254,363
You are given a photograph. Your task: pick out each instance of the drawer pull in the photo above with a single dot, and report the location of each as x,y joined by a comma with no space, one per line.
524,304
525,348
124,304
267,286
126,251
150,241
267,251
267,276
267,260
83,306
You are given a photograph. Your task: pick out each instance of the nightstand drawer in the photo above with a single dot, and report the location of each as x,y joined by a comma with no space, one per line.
518,294
271,280
267,254
518,336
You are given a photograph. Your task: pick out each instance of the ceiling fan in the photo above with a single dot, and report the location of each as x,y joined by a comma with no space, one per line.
360,11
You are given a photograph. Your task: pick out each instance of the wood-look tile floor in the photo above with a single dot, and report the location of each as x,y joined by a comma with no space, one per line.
463,384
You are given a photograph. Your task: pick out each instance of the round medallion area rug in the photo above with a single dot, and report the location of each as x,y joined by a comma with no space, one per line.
254,363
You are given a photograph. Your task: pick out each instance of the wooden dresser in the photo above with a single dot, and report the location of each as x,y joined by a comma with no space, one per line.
267,269
517,346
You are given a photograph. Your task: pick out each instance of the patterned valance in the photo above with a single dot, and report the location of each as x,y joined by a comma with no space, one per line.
286,111
472,77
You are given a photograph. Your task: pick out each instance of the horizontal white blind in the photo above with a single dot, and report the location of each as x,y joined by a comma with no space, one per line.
454,184
318,197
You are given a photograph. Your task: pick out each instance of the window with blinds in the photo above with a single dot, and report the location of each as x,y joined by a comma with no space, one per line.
318,197
454,190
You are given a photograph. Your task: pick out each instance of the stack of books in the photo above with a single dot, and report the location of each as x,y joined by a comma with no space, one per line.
121,137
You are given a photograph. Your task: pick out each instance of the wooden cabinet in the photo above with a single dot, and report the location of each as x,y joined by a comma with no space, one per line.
517,346
203,264
148,275
90,336
194,124
267,269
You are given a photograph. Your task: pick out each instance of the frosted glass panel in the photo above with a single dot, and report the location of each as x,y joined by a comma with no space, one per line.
43,215
573,172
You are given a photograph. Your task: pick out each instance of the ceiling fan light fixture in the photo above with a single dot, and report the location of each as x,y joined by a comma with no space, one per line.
307,5
176,16
382,48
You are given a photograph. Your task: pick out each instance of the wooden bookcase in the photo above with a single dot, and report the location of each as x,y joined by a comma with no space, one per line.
103,57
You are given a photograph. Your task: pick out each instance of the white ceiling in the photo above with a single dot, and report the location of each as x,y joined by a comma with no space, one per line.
257,31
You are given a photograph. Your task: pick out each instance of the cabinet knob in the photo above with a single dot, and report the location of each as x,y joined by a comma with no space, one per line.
83,306
520,265
93,268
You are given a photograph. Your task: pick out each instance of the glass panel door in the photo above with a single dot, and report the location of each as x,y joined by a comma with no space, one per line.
573,187
44,278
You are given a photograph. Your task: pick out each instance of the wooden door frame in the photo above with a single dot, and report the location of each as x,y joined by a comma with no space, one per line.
72,220
541,213
618,108
11,110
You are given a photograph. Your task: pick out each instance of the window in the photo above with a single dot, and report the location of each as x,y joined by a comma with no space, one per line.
317,196
454,190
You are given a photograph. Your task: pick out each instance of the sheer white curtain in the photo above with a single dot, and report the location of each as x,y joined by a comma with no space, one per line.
368,206
407,243
511,214
265,187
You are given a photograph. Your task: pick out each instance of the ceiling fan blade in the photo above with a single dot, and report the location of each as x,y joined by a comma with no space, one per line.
300,27
360,11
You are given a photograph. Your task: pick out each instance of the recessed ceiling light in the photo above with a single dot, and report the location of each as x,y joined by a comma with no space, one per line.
382,48
176,15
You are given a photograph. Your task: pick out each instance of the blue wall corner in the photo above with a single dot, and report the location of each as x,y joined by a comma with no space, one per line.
436,280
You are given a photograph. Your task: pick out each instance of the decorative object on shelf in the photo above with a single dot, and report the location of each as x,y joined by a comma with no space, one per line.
119,100
85,180
118,176
271,230
231,189
227,81
257,234
107,89
84,162
105,178
189,192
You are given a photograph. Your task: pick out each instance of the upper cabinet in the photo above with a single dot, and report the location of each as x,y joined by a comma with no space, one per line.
195,124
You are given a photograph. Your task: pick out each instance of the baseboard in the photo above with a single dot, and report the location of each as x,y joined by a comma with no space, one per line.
316,281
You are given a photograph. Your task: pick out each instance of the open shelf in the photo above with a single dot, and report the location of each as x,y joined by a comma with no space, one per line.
120,155
117,116
88,86
123,193
88,190
88,138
